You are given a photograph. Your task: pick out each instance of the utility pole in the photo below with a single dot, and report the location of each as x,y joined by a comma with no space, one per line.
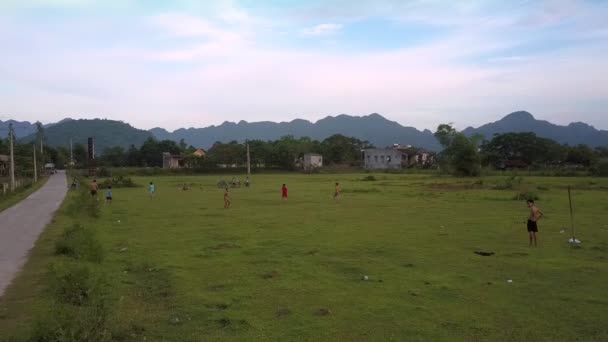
248,161
11,136
35,169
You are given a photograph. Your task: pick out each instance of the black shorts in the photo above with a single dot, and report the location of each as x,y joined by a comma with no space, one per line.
532,226
109,198
93,192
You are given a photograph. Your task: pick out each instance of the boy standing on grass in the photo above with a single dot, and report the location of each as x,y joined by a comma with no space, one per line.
227,199
284,192
94,188
337,192
535,215
109,195
151,189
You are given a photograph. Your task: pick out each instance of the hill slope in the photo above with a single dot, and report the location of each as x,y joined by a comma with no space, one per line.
374,128
573,134
107,133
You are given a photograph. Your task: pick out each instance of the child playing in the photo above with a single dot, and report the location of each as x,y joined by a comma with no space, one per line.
284,192
227,199
337,192
535,215
109,195
151,189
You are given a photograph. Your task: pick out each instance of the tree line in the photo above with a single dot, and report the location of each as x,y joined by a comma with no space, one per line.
466,156
461,155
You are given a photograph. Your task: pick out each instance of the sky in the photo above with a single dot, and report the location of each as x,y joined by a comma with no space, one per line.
187,63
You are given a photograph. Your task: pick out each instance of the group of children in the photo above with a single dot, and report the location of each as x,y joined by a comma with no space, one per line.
284,195
94,187
535,213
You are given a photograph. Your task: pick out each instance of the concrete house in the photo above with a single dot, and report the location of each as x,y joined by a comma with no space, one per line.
171,161
312,161
382,159
199,153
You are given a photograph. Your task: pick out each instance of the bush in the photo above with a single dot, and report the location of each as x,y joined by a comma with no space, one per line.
509,183
369,178
526,195
73,324
79,243
118,182
71,282
600,169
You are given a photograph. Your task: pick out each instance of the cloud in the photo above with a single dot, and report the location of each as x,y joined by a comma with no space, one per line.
189,68
322,30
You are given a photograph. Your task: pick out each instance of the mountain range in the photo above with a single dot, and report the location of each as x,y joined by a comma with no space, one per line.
373,128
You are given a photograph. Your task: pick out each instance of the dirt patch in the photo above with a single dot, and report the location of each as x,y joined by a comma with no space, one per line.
447,187
216,288
271,275
282,312
517,254
217,306
322,312
227,323
312,252
225,245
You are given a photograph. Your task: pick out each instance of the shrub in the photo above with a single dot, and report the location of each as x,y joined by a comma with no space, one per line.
118,182
600,169
526,195
79,243
509,183
72,324
71,282
369,178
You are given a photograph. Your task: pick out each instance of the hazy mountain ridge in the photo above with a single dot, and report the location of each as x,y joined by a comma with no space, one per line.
573,134
107,133
374,128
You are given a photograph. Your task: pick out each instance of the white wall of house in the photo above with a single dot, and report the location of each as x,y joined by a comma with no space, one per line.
382,159
312,161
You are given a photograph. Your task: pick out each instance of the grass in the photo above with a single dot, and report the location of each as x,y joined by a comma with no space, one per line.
13,198
179,267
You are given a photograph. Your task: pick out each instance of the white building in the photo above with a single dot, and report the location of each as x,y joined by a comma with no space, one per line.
312,161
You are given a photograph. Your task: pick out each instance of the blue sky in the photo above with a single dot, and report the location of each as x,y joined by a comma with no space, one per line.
186,63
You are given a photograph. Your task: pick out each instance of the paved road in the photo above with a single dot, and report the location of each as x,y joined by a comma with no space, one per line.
21,224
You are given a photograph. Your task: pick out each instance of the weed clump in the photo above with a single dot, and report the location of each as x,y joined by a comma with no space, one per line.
72,282
509,183
526,195
369,178
79,243
119,182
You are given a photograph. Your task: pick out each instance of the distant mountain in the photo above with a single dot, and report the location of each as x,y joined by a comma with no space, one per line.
107,133
374,128
22,128
573,134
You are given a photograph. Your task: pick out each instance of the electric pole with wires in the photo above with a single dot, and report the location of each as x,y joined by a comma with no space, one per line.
11,137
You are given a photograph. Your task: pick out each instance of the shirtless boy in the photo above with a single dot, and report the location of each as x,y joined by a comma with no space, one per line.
535,215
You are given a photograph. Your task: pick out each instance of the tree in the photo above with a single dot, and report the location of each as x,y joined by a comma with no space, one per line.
582,155
460,155
151,152
80,154
133,156
114,157
40,135
521,146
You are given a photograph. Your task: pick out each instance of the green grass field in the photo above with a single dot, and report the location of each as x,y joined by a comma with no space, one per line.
179,267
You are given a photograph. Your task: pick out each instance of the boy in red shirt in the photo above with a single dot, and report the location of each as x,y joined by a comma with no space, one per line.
284,192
